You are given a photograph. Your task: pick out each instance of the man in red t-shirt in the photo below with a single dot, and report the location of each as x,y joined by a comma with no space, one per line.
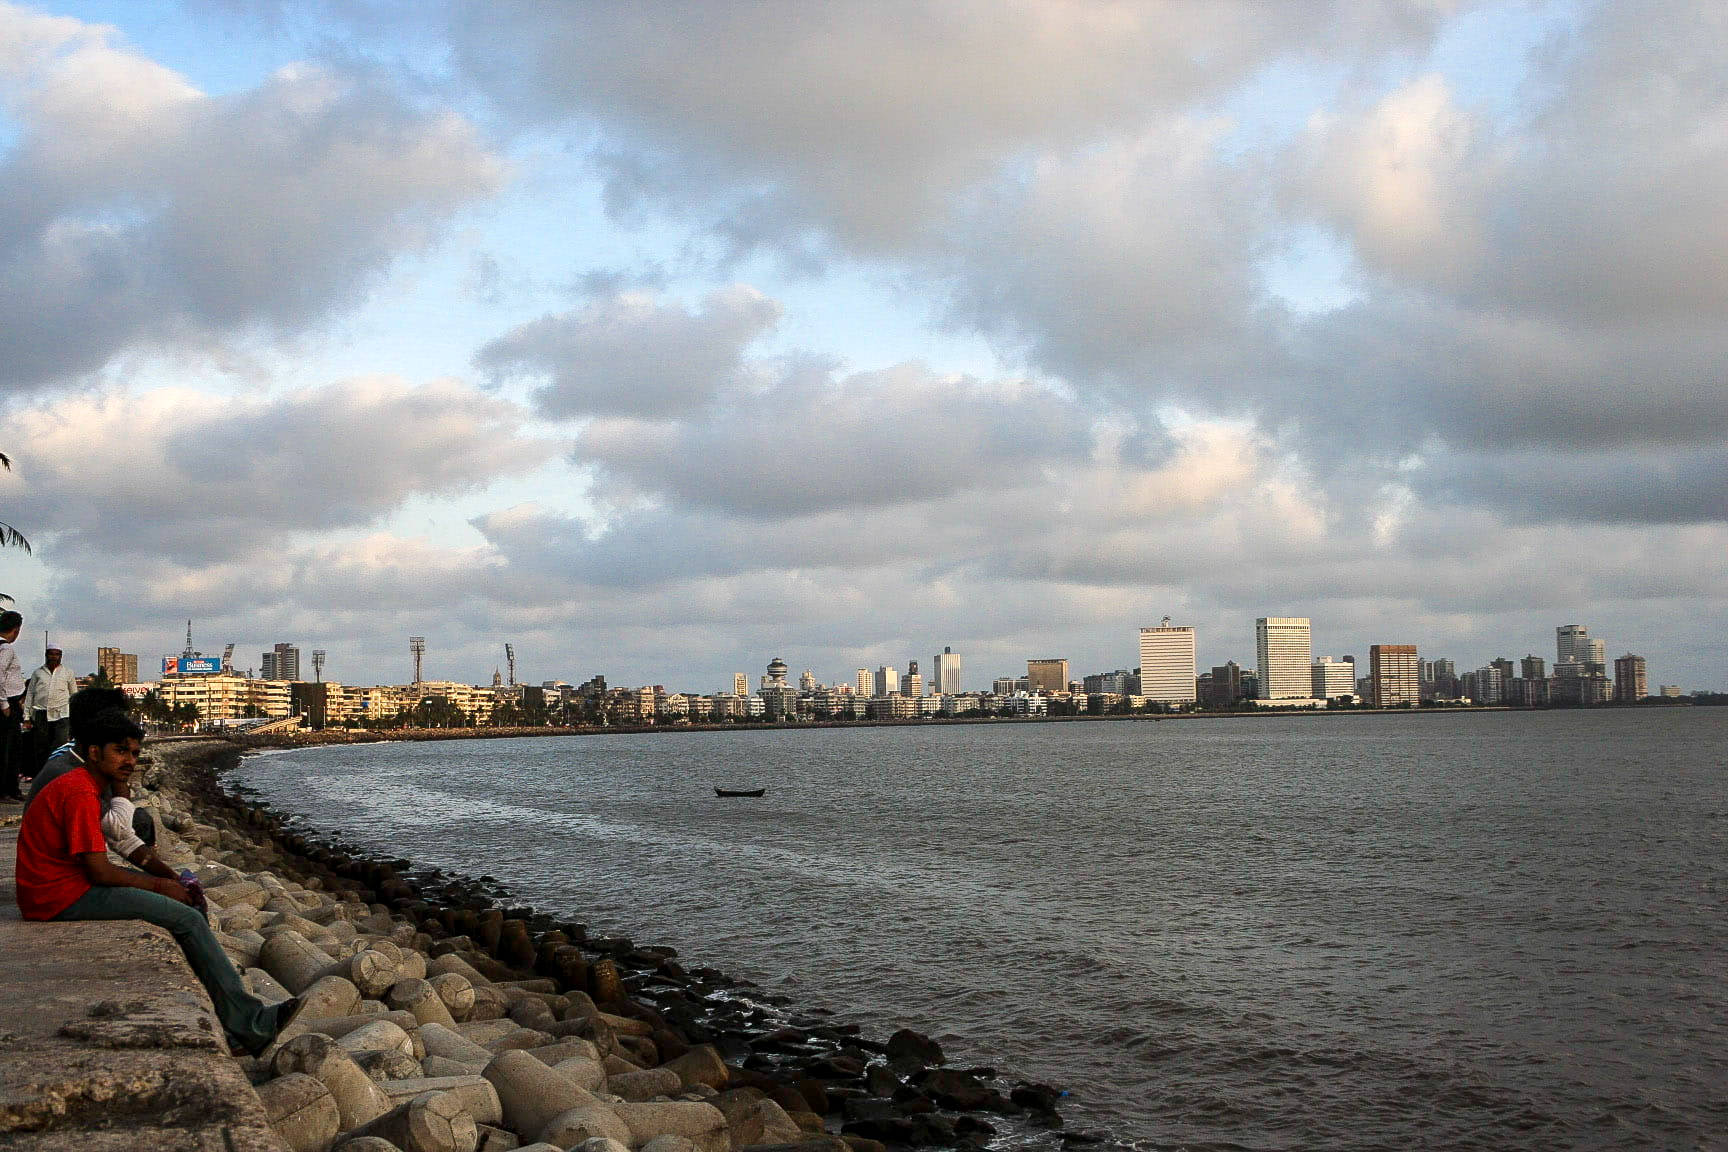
64,874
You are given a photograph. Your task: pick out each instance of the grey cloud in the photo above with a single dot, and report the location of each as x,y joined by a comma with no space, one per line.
205,479
140,212
812,443
860,119
632,354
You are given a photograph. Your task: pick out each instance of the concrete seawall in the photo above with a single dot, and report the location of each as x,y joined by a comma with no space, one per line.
108,1042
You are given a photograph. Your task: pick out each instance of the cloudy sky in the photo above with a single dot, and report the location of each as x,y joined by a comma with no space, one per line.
660,339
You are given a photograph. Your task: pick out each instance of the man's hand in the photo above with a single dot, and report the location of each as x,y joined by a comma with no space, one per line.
173,889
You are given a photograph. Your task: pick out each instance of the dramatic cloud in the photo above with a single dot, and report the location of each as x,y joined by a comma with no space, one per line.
859,119
137,211
629,354
195,479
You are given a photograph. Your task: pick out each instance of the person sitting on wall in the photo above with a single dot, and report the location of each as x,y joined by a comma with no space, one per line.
64,874
130,830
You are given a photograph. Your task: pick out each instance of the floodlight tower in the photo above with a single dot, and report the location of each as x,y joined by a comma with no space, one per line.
417,645
318,665
510,659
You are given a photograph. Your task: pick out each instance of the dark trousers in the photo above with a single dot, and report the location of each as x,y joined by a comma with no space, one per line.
49,734
11,749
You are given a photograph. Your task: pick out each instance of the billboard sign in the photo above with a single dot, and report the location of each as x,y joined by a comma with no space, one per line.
191,665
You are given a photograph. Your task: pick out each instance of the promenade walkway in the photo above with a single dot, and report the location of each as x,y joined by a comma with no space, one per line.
108,1043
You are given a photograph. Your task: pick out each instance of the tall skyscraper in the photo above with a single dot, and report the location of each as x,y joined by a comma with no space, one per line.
912,684
282,662
1533,667
862,682
947,673
1598,660
1286,655
1167,664
1047,675
740,684
1392,672
1333,678
1571,644
1629,683
887,680
120,667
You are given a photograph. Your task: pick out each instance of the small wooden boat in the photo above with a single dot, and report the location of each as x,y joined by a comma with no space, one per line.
749,792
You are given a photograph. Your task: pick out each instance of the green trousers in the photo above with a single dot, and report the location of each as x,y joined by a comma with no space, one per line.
251,1024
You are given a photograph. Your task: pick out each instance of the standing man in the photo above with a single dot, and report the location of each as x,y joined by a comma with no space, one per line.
48,706
11,706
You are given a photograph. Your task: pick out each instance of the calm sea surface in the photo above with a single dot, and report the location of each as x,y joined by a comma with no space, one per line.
1495,931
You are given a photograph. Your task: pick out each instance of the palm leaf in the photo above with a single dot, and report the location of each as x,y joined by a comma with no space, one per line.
10,537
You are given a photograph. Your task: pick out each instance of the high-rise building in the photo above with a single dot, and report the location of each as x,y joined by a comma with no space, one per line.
887,680
1333,678
1048,675
1225,686
807,681
1286,655
1629,683
1392,672
912,684
740,684
1532,668
1598,660
948,673
282,662
862,682
1571,644
1167,664
120,667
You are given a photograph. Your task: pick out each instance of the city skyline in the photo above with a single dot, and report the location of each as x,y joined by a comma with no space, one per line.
653,338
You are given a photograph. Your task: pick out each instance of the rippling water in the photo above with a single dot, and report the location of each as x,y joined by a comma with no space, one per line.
1483,931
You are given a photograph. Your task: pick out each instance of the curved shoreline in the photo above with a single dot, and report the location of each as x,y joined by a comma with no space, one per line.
900,1099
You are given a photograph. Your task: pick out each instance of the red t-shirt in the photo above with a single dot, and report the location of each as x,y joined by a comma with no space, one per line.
64,820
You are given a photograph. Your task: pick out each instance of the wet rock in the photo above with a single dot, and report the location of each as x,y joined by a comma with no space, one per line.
961,1091
880,1081
1038,1097
907,1044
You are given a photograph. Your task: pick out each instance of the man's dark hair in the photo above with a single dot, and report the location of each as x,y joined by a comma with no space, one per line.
110,727
10,620
88,703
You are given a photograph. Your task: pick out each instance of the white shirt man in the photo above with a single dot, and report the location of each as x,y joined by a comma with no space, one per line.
49,690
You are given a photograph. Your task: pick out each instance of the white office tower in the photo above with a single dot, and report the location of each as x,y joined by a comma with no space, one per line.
863,682
887,680
1286,657
1333,678
1167,664
947,673
1571,643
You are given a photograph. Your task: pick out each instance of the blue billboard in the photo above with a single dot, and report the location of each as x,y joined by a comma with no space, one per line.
191,665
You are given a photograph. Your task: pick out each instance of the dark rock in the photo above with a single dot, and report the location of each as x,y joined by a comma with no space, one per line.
869,1108
839,1066
1038,1097
961,1092
1072,1138
1044,1119
880,1081
915,1045
898,1130
859,1143
932,1128
815,1095
913,1102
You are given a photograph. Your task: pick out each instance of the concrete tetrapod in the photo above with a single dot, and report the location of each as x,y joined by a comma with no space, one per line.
452,1045
702,1124
533,1095
380,1036
430,1122
700,1065
365,1144
420,998
371,971
301,1111
587,1074
455,990
358,1100
644,1085
329,998
295,961
475,1093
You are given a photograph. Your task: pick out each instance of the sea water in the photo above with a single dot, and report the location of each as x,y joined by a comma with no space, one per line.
1493,930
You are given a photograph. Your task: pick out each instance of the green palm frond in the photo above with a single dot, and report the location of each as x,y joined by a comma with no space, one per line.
10,537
